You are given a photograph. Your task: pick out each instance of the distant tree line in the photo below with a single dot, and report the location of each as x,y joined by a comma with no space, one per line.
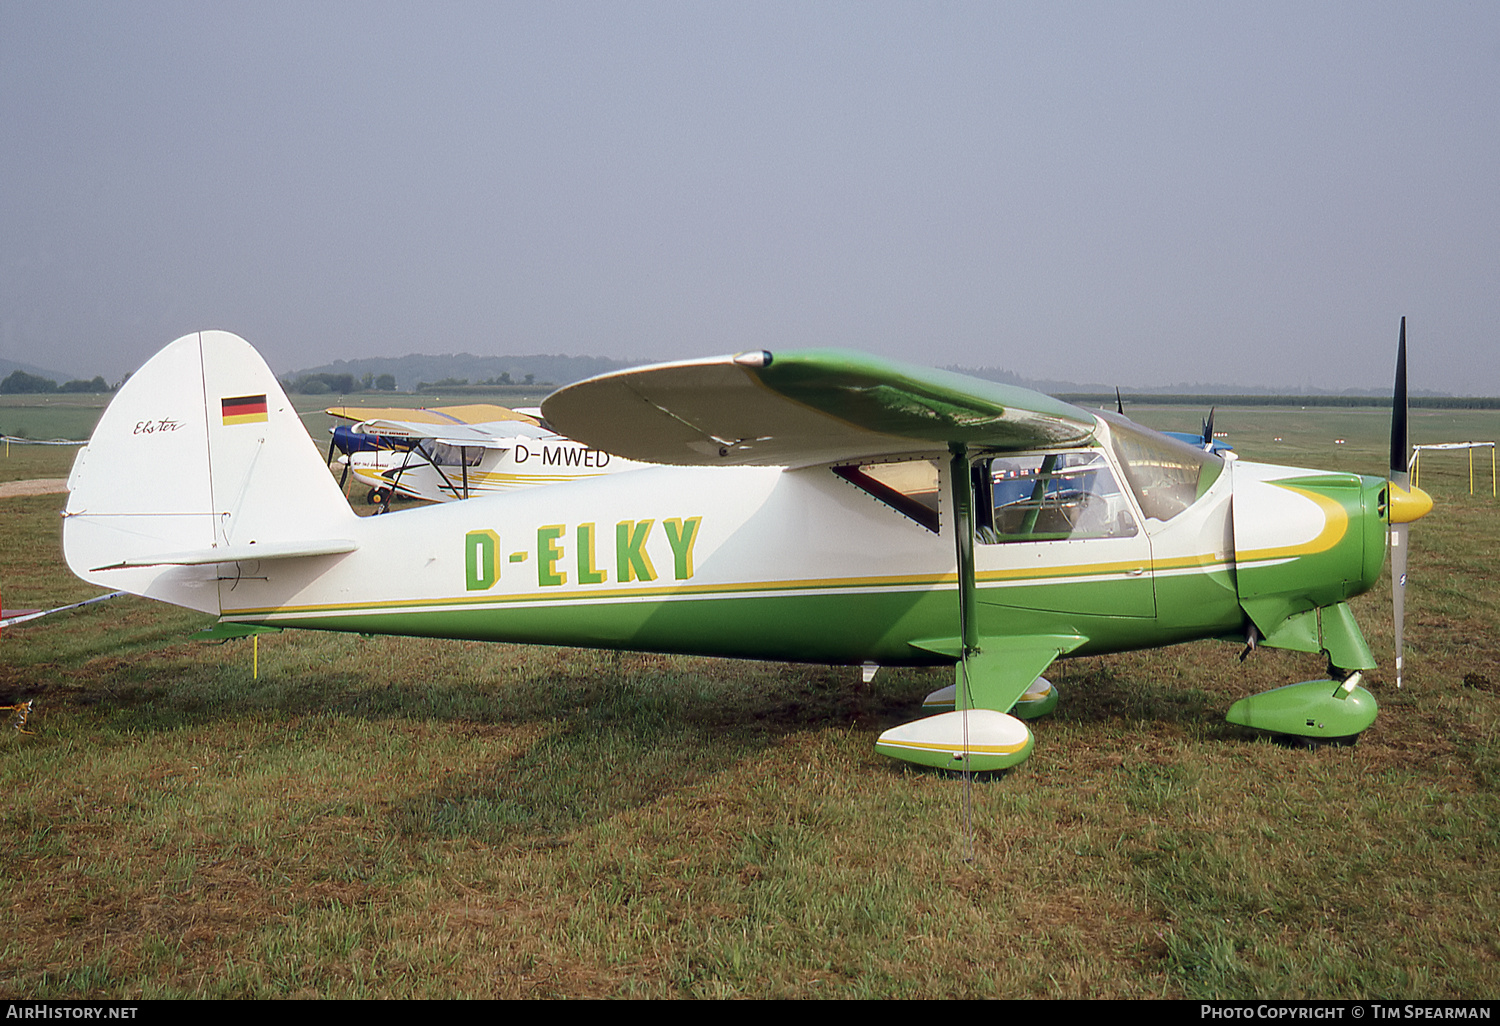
339,384
502,379
479,373
18,382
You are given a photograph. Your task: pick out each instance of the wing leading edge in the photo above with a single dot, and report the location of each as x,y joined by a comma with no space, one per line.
802,408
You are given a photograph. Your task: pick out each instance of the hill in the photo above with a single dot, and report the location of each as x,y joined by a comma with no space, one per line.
8,366
415,367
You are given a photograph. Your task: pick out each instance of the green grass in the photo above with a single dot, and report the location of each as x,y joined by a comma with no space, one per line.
50,416
377,817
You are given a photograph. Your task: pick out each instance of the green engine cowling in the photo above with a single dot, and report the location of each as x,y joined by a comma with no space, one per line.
1296,593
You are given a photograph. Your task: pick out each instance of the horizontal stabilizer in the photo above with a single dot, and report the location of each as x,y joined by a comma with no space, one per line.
238,553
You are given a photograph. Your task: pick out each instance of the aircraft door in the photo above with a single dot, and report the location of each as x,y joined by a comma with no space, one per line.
1057,532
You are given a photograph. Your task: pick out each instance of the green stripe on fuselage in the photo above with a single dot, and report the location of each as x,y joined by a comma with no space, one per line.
811,621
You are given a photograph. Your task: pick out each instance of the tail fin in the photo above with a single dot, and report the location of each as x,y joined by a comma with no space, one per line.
199,460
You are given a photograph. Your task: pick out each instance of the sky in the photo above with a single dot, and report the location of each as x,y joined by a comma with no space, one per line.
1138,192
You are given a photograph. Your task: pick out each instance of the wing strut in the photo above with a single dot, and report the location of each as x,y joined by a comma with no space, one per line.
962,486
992,672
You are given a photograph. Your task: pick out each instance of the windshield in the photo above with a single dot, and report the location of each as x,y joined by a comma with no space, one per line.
1166,475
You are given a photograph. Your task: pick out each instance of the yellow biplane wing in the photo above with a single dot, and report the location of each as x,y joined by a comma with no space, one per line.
474,413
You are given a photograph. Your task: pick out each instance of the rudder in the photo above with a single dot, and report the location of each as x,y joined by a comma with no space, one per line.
199,452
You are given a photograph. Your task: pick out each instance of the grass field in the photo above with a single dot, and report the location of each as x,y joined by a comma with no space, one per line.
378,817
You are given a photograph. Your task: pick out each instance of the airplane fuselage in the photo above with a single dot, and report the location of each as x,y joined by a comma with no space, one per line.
770,563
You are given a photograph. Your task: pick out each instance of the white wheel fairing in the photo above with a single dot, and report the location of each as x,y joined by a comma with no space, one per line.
978,739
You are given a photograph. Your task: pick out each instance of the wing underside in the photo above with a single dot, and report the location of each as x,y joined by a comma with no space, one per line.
804,408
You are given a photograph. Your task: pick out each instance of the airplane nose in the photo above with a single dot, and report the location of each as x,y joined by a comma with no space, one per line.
1408,504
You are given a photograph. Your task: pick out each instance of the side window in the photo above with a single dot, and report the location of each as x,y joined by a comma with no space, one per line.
910,487
441,454
1051,497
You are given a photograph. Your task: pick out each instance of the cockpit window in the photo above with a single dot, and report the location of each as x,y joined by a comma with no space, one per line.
1050,497
1166,475
909,487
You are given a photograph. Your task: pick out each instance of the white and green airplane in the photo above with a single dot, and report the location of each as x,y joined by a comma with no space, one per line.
821,506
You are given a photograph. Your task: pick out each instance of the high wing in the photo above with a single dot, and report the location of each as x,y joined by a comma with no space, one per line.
800,409
803,408
474,413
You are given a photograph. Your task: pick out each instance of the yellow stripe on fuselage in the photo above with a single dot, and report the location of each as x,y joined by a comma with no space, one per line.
1030,575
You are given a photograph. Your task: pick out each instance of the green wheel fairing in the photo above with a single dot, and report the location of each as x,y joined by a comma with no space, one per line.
1038,703
1315,708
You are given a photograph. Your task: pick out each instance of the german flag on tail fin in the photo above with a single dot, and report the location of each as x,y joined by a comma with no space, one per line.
245,409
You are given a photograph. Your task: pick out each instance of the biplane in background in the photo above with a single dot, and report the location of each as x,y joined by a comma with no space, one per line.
457,452
1205,439
819,506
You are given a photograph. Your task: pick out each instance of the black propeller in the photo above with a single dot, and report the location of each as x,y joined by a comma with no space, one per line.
1399,478
332,441
1399,440
1403,503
